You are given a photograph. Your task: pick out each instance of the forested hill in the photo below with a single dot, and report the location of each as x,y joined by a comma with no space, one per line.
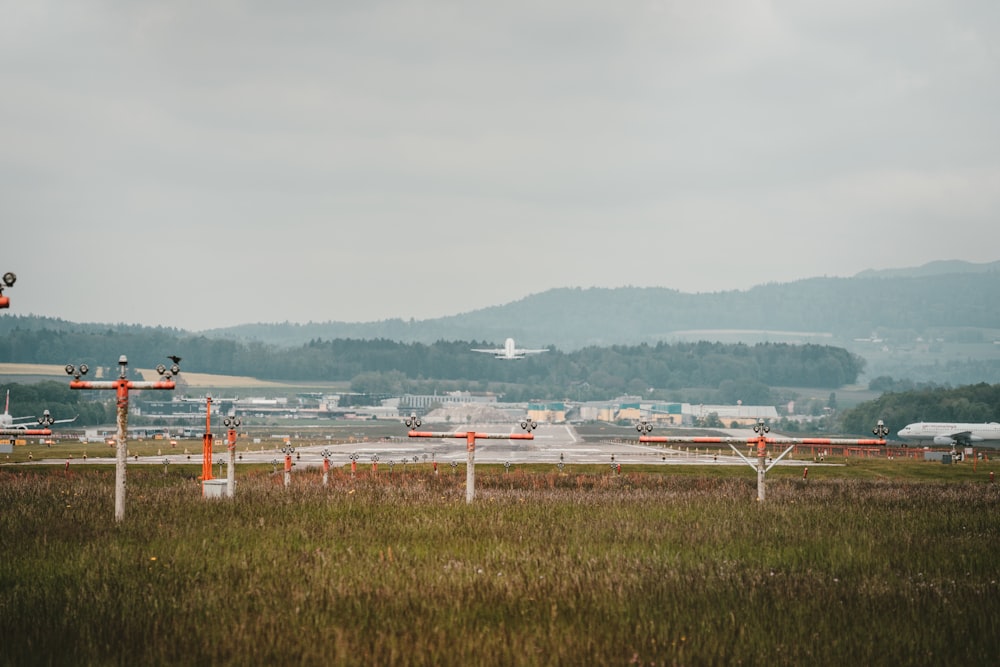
970,403
838,309
382,366
901,306
907,303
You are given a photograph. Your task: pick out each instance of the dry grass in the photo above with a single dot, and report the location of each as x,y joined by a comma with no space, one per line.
544,568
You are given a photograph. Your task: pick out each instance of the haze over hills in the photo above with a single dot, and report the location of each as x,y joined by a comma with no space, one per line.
937,268
893,303
907,303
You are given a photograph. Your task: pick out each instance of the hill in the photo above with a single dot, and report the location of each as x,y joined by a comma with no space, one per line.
935,323
937,268
899,304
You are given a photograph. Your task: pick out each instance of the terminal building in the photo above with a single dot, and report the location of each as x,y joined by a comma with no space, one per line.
633,409
189,413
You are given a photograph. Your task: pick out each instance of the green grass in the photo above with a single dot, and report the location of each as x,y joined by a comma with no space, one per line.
659,566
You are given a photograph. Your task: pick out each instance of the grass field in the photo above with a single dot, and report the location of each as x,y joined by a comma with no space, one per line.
585,567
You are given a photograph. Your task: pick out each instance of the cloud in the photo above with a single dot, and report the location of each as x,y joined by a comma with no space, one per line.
366,160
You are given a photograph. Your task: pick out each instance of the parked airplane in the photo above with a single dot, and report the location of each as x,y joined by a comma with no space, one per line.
509,351
945,433
8,422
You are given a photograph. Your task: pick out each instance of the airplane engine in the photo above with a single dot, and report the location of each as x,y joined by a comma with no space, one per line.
943,440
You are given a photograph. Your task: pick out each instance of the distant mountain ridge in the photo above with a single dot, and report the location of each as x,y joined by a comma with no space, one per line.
936,268
938,294
951,294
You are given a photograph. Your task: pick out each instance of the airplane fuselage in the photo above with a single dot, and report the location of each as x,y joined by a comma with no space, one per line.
953,433
508,351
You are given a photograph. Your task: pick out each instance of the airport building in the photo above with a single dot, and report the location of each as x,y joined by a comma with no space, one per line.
553,413
634,409
418,402
189,413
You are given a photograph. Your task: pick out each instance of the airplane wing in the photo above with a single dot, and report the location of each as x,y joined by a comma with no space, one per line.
520,351
20,424
499,350
962,437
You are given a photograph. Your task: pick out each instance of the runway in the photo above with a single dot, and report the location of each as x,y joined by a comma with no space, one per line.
552,444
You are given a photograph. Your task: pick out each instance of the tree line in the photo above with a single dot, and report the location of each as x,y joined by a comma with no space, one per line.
969,403
737,371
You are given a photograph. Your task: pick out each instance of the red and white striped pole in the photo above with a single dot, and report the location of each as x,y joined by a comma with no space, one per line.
326,467
206,444
232,423
288,450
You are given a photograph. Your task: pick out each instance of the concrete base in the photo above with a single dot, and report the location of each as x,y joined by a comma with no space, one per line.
213,488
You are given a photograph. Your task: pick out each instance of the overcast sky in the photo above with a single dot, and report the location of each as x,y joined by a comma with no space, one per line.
202,164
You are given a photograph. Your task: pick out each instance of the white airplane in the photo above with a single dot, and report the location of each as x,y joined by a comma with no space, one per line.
8,422
950,433
509,351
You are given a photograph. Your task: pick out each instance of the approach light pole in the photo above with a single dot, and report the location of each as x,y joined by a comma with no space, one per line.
231,423
470,446
206,444
122,386
761,440
288,450
326,466
8,281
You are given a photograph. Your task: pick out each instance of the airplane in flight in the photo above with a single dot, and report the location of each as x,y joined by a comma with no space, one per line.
951,433
509,351
8,422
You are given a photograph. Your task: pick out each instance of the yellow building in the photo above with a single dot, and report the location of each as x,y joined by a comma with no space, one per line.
552,413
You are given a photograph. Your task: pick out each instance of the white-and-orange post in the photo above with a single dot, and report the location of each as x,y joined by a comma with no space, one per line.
288,450
122,386
326,467
206,445
470,448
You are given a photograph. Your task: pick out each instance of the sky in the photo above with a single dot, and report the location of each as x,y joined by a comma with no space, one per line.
209,163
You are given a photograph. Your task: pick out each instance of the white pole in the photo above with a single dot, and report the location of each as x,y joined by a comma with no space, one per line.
761,469
121,459
231,472
470,472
